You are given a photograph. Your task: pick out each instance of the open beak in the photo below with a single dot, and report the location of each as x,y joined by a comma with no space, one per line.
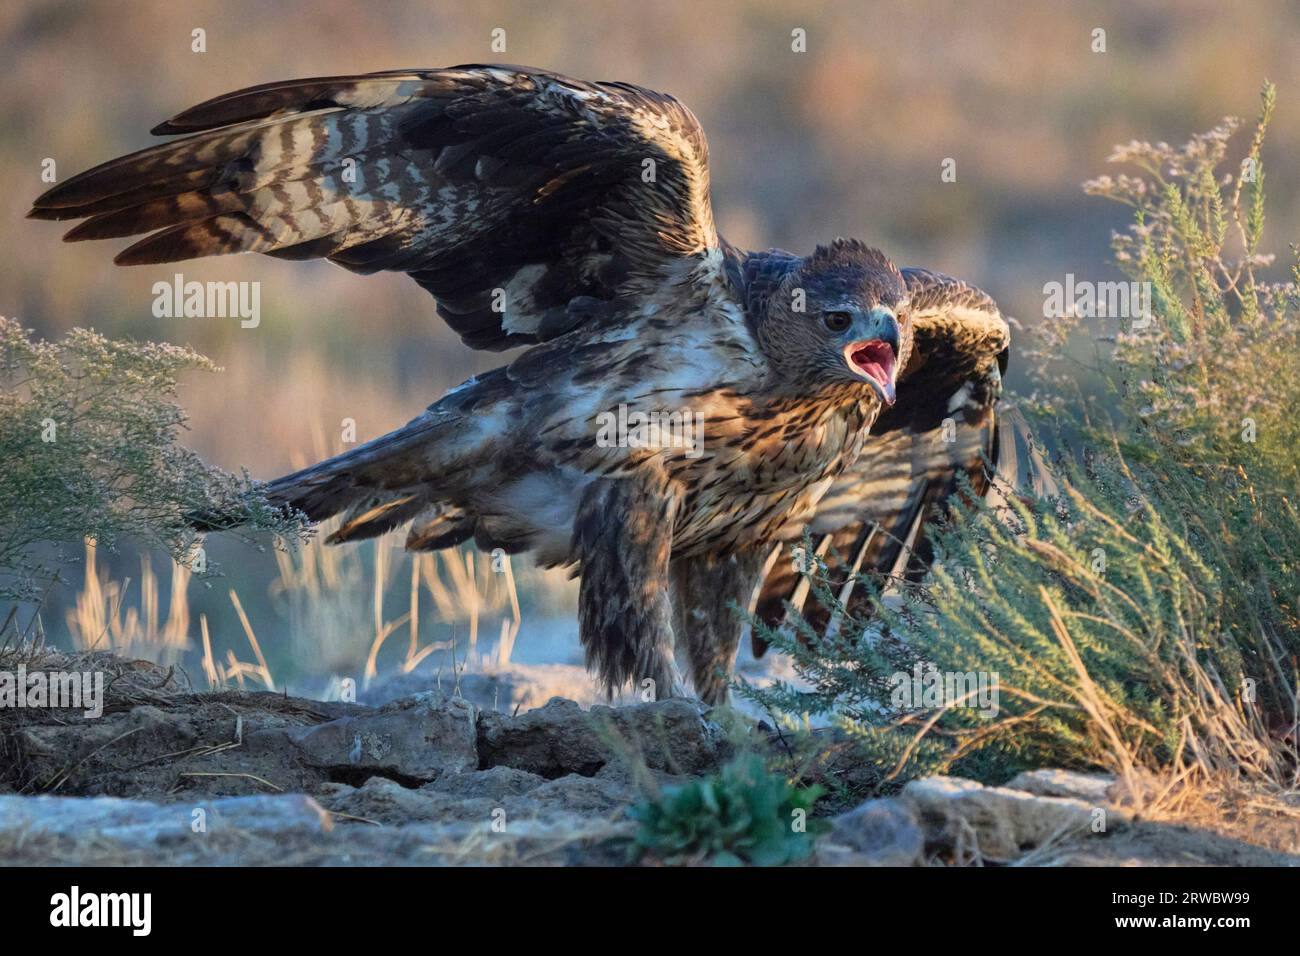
874,355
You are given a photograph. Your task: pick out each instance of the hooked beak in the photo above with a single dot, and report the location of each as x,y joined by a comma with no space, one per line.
873,352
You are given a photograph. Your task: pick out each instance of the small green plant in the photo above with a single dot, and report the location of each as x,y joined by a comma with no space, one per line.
744,814
89,449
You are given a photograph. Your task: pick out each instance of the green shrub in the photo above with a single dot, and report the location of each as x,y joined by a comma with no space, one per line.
744,814
89,448
1139,607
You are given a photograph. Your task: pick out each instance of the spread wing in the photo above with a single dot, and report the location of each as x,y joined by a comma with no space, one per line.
526,202
944,424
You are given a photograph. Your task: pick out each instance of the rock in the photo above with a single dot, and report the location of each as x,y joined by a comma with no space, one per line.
484,799
502,794
196,744
380,800
561,738
1092,788
495,783
288,829
133,824
271,814
585,796
1126,795
444,781
998,824
514,688
565,839
414,739
876,833
486,691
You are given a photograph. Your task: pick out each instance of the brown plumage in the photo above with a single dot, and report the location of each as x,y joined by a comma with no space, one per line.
573,217
873,521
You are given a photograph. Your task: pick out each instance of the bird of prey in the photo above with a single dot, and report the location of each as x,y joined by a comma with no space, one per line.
574,218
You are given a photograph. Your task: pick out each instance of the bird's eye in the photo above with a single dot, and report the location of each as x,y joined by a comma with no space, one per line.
837,321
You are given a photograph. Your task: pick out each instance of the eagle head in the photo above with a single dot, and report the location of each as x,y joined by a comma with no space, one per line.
839,315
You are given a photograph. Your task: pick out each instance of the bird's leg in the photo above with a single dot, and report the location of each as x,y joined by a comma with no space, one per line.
623,536
708,629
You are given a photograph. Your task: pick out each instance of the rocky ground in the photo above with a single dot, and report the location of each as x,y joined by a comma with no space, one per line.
171,776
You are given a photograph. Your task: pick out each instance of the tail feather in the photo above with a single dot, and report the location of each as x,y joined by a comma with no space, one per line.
154,189
447,528
376,487
370,518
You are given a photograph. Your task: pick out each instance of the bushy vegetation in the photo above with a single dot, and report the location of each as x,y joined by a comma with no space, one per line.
743,814
90,432
1139,603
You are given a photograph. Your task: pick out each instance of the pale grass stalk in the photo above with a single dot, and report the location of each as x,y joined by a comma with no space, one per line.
372,659
506,645
236,669
382,629
175,632
462,585
262,670
148,596
90,615
98,620
415,654
414,642
514,595
437,590
471,592
329,562
381,573
209,666
414,661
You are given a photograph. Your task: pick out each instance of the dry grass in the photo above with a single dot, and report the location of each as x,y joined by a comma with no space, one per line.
337,604
1260,814
104,620
336,598
1225,820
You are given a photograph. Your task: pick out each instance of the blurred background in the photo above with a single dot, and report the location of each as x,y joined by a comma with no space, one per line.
847,138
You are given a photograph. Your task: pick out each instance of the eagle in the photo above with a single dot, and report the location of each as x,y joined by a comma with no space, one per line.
834,394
